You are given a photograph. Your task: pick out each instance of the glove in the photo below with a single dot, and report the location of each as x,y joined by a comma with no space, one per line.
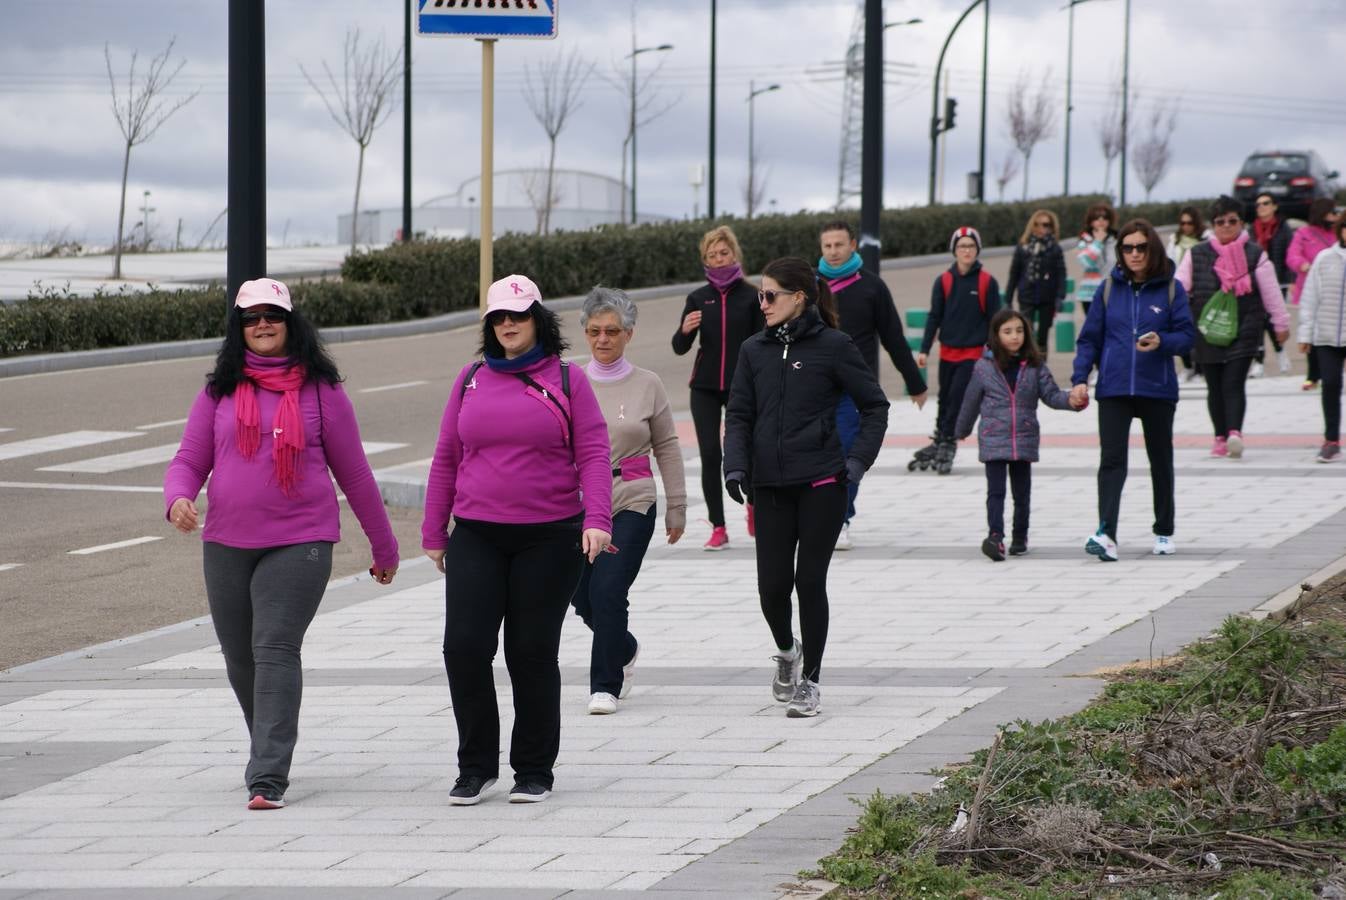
733,483
855,470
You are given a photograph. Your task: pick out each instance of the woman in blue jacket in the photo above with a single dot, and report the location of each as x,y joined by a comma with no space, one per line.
1138,321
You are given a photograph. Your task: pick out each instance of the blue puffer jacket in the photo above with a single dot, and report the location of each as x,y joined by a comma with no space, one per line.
1108,338
1009,418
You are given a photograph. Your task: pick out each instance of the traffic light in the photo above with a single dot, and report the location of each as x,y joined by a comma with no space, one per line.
950,109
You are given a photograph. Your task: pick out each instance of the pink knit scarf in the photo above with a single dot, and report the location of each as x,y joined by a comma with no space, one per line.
287,426
1231,265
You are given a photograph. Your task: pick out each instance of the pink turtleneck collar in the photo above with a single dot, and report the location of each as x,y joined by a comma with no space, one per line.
610,372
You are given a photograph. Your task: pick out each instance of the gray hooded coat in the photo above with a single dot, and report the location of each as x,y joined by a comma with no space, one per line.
1009,418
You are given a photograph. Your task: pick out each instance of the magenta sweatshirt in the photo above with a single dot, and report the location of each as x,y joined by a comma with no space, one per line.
245,507
504,454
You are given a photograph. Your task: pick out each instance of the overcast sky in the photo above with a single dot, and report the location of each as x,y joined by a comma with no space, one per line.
1245,74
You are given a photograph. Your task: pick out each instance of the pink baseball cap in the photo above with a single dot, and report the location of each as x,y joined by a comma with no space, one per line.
263,292
514,293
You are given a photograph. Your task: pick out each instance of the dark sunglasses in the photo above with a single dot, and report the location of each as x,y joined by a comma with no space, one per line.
1266,203
270,317
498,317
1138,249
770,296
1046,225
1226,220
1186,222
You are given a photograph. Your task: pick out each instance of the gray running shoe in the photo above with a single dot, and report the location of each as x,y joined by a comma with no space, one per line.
789,667
806,701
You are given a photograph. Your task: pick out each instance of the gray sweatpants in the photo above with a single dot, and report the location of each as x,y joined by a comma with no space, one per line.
262,601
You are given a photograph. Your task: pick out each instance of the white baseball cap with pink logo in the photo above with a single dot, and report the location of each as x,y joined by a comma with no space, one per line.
263,292
513,293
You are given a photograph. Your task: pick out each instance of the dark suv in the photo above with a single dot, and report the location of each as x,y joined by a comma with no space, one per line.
1294,177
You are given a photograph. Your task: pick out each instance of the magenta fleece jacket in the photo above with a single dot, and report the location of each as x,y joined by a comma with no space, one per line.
245,507
504,454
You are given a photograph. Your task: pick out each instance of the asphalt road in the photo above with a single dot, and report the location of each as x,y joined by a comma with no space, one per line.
53,600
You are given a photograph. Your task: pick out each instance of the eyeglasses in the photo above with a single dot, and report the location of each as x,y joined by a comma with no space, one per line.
1044,224
965,245
496,318
1266,203
1138,249
270,317
1186,222
1226,220
769,297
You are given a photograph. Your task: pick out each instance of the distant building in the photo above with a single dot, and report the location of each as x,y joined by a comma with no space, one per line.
583,200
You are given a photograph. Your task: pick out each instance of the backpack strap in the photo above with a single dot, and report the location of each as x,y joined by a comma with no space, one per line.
471,374
983,288
565,389
946,282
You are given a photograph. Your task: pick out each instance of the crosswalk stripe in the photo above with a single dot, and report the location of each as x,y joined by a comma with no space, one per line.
68,440
5,567
372,447
112,488
154,425
116,545
117,462
392,387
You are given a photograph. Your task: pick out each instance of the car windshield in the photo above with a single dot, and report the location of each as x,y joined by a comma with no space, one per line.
1265,165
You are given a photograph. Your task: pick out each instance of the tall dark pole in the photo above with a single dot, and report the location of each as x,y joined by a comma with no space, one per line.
1126,98
406,123
1070,70
936,125
634,54
752,158
981,141
246,233
871,153
710,179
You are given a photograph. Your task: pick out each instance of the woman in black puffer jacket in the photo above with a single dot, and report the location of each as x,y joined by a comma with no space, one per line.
781,440
1038,274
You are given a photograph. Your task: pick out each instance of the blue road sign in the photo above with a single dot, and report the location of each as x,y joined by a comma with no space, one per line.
486,18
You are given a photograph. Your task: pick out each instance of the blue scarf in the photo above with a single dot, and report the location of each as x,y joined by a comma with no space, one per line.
849,267
518,363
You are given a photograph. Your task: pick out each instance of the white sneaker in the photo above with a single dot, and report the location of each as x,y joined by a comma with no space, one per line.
1283,361
602,704
1102,546
1235,444
1255,370
844,539
628,671
1164,546
789,668
806,702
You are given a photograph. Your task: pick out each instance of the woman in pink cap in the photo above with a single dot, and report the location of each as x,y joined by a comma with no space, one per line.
522,467
269,424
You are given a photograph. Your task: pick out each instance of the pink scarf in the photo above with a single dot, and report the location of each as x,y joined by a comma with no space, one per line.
1231,265
723,277
287,427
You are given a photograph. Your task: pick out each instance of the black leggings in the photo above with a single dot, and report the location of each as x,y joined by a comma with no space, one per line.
807,520
1227,393
1043,314
523,576
706,406
1114,437
1021,484
953,382
1330,361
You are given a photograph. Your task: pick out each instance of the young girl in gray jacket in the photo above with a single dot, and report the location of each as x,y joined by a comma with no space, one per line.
1007,383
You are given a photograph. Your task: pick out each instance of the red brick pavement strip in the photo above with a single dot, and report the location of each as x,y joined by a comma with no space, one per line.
687,436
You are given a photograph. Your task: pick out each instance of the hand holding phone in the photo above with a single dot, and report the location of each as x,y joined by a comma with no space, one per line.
1148,341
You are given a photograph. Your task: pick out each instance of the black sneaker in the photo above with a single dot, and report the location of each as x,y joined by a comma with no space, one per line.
528,792
1018,547
994,547
467,790
265,798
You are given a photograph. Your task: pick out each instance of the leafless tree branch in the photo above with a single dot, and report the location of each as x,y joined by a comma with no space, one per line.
1009,167
1153,154
1030,119
1110,130
552,97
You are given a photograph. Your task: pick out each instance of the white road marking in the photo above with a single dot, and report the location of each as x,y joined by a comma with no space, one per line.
154,425
372,447
65,441
117,545
6,429
391,387
115,488
5,567
134,459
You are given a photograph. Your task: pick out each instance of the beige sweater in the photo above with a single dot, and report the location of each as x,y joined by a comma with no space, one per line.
640,422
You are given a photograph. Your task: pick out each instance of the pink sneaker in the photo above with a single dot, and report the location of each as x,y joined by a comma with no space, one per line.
1235,445
1220,448
719,539
752,522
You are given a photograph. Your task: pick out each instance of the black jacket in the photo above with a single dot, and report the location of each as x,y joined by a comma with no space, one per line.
870,318
1049,290
727,320
1276,249
959,321
781,421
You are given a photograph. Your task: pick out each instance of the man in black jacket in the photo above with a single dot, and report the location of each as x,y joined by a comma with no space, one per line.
869,316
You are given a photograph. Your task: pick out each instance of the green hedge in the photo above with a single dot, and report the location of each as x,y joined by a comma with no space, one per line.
412,281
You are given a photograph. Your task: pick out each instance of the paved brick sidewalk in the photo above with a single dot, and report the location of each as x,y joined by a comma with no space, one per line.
120,766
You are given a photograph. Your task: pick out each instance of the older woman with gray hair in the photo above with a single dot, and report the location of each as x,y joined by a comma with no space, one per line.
640,423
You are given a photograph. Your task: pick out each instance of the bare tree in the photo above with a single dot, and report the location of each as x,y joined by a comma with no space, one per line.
754,186
1009,167
362,100
1030,119
140,112
1153,154
543,194
552,98
1110,130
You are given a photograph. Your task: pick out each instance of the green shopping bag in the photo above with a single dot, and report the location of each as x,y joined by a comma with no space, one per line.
1219,321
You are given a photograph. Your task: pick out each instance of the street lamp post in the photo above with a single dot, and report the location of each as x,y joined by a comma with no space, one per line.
710,184
1070,74
634,53
753,91
1126,90
936,126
